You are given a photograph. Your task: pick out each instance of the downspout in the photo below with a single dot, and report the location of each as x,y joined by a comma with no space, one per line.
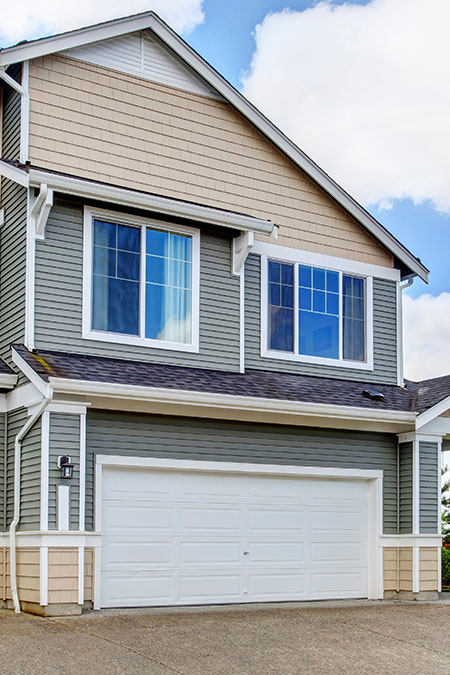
16,517
5,467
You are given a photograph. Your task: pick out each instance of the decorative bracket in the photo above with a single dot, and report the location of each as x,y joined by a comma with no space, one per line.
40,210
242,246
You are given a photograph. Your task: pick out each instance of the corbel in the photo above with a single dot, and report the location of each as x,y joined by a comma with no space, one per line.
242,246
40,210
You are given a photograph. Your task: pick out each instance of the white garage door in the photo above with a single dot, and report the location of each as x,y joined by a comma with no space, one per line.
180,538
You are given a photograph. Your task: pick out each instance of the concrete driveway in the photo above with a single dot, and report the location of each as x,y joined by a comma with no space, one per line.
358,639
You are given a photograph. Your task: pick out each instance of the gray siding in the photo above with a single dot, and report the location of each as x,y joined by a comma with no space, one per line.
185,438
429,487
59,298
406,487
385,339
10,135
2,473
30,472
64,440
12,267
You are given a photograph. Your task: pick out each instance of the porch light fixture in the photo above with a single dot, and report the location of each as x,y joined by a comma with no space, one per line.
66,466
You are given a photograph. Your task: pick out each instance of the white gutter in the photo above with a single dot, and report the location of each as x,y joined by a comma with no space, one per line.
230,402
16,517
131,198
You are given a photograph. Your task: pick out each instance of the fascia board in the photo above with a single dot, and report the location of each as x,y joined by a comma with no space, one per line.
75,38
433,412
14,173
206,399
31,374
129,198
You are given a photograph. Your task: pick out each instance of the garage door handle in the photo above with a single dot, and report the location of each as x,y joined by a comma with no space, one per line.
246,552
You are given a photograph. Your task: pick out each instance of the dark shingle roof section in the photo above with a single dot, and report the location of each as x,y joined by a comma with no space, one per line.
430,392
253,383
5,369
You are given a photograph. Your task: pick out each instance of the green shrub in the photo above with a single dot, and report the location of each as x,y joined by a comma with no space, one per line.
446,568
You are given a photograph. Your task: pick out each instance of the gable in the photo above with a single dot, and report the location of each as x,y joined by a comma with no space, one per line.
144,55
89,121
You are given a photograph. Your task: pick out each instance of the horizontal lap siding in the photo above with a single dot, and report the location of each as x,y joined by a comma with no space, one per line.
406,487
64,440
59,270
184,438
10,132
30,471
384,334
429,487
113,127
12,266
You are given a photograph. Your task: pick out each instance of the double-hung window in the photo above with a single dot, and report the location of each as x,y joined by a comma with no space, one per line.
141,281
315,314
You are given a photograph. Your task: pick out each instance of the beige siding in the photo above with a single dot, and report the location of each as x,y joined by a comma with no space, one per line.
62,575
28,577
89,574
90,121
397,564
429,569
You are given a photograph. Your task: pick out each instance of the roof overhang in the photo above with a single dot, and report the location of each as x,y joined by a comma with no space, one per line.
92,190
8,380
149,20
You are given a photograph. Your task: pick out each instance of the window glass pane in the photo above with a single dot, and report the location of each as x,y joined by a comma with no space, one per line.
319,301
319,278
128,265
157,242
353,321
128,238
168,313
274,272
180,247
332,303
105,234
168,295
281,301
332,281
105,261
318,334
115,288
304,298
304,276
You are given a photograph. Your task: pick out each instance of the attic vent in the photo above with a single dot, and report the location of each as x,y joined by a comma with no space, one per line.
374,395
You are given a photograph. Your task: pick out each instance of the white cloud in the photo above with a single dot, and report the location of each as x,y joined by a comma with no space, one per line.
426,336
363,90
36,18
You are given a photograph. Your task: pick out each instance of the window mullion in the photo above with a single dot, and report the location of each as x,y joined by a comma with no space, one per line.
296,311
142,285
341,317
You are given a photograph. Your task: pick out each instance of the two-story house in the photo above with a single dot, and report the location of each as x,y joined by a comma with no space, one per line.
202,398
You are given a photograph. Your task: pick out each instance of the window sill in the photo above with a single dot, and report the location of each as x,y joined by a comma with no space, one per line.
134,341
318,360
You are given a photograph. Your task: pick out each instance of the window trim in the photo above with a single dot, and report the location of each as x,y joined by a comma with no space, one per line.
304,358
120,218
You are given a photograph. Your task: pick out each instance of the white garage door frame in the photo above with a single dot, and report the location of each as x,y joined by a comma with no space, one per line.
374,479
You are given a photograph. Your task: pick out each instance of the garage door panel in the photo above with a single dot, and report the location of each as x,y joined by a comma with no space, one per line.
195,538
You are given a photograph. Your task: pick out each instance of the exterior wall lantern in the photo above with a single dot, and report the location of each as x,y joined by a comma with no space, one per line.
66,466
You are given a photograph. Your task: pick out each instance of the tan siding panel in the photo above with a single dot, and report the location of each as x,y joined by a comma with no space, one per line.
90,121
62,575
429,569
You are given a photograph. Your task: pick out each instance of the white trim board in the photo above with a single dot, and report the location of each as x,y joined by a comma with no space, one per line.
151,21
142,200
13,173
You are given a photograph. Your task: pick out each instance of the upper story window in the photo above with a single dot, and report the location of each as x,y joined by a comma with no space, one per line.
141,281
316,315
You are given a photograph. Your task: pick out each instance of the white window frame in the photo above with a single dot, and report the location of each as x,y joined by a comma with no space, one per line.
119,218
304,358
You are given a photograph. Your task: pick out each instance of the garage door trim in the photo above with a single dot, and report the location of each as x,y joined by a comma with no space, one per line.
375,498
